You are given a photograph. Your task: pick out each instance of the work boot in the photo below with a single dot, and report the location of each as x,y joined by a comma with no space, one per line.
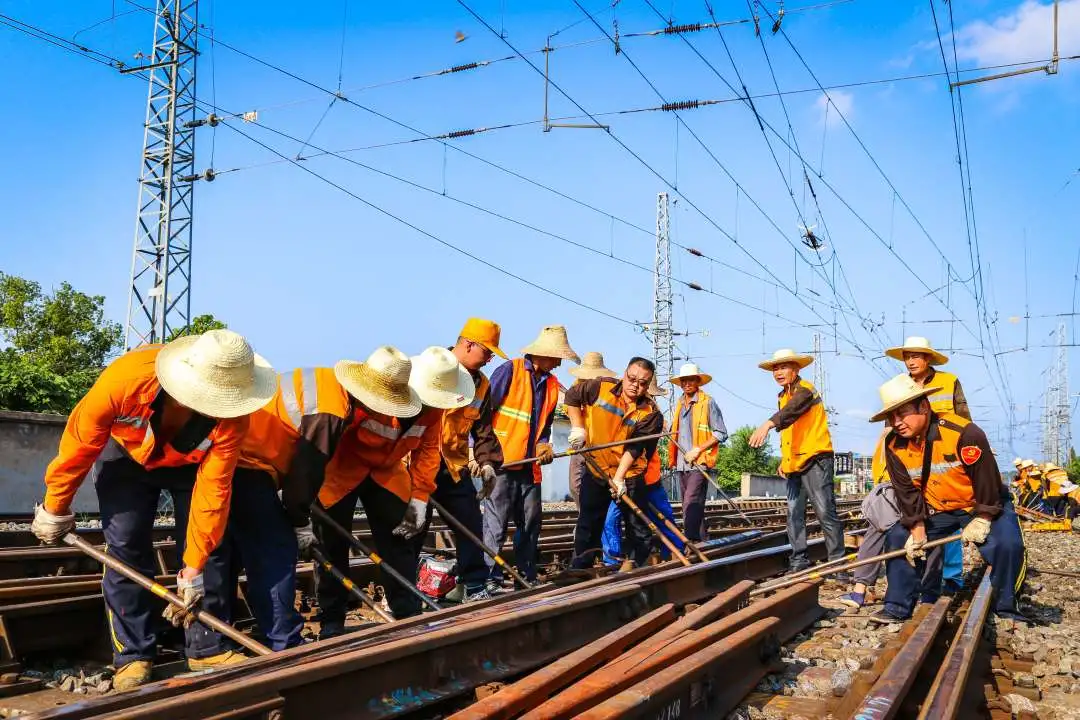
477,595
627,565
132,675
229,657
331,629
457,594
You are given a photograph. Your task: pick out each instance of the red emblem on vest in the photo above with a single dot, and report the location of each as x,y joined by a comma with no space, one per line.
970,454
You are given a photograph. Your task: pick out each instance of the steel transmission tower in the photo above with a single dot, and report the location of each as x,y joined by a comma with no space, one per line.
1057,438
821,377
160,299
663,340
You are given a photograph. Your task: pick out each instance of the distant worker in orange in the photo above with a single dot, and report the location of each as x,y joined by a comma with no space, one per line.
161,417
592,367
524,394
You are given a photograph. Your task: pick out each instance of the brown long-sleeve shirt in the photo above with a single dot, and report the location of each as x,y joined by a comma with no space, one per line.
801,401
485,445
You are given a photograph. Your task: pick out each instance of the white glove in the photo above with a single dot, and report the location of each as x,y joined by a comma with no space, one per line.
976,531
414,520
577,438
305,540
487,477
618,489
49,528
914,550
191,592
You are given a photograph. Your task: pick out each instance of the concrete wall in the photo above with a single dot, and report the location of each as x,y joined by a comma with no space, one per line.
763,486
28,443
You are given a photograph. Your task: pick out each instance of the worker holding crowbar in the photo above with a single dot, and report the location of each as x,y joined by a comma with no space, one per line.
170,417
615,413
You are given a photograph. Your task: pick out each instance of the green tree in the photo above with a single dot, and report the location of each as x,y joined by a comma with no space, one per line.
737,457
55,345
1073,468
199,324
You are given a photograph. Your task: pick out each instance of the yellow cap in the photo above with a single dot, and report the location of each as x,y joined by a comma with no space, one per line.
485,332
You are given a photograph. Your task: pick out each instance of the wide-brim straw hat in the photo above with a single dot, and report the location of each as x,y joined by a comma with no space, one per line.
897,392
919,345
1027,464
552,342
655,390
786,355
1018,462
216,374
690,370
381,383
591,367
440,380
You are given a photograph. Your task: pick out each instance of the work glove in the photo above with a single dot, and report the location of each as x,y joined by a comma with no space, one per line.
305,540
474,468
976,531
618,488
49,528
545,453
486,476
577,438
413,522
914,550
191,592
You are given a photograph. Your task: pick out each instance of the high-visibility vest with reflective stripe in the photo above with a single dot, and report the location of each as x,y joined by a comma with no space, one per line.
610,419
808,436
456,427
1054,477
879,472
702,430
376,446
949,486
512,421
941,402
275,430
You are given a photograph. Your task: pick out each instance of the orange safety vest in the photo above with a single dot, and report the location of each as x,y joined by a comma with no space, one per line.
941,402
702,431
272,437
375,446
879,472
1054,477
652,470
808,436
948,487
456,427
611,419
118,406
512,421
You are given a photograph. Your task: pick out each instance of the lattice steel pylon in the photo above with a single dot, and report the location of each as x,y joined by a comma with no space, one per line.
663,338
1056,425
821,376
160,299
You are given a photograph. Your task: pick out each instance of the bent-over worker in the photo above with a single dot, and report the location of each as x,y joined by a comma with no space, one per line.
159,417
591,367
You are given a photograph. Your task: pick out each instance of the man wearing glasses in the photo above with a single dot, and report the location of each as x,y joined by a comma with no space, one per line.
945,478
602,411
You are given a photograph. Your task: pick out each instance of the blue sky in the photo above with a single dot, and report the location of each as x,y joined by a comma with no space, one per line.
311,275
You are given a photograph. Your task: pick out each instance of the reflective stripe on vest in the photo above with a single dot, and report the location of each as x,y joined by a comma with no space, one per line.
941,402
609,420
948,486
384,431
513,420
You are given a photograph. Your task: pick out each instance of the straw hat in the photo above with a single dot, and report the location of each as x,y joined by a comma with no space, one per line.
484,332
552,343
592,366
216,374
1018,462
899,391
919,345
786,355
690,370
440,380
381,383
654,389
1027,463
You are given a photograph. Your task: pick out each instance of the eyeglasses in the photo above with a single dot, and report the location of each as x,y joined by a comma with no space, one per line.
488,354
637,382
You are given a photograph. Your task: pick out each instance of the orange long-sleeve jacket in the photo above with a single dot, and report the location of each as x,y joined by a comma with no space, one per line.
120,406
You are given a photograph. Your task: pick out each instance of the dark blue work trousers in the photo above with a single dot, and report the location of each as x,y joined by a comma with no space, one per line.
516,496
1003,551
128,497
262,543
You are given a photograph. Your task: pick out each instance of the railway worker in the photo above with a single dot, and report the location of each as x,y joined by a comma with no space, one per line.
806,455
524,394
603,410
699,430
477,343
161,417
1054,479
922,360
873,540
1035,499
395,410
612,537
943,472
592,366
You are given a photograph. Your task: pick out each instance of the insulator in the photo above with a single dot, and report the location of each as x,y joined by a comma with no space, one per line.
209,175
462,68
213,120
189,178
694,286
695,252
681,105
677,29
461,133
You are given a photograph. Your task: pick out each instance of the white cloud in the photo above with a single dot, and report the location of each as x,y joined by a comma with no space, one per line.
840,100
1024,34
858,413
